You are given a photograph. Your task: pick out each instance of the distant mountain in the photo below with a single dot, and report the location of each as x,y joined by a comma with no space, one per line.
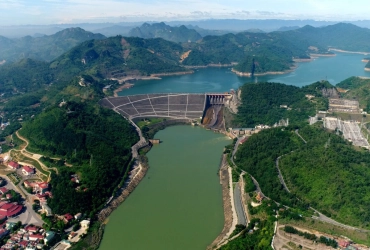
286,28
115,30
174,34
342,36
45,48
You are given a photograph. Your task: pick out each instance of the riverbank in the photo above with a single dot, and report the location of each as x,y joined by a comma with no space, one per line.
229,210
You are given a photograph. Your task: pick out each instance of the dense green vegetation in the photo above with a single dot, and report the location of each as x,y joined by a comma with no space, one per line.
359,89
45,48
24,76
173,34
90,138
257,156
259,232
261,103
331,175
118,57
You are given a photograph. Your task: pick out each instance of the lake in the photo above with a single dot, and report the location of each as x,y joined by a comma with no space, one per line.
334,69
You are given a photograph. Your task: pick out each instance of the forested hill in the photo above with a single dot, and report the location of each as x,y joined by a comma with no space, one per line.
267,103
357,89
174,34
95,140
45,48
320,173
120,56
107,58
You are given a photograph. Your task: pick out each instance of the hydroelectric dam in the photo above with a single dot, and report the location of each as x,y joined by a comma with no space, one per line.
208,107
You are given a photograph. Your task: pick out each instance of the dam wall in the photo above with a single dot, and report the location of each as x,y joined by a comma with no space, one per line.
171,105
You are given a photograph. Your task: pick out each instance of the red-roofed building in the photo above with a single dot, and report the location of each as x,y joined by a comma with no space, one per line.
13,165
23,243
27,170
41,187
10,209
35,237
3,190
28,184
31,229
67,218
343,243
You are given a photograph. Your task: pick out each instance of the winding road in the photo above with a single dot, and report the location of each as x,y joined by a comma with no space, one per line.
321,216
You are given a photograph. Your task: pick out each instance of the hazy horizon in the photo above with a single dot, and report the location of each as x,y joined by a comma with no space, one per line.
50,12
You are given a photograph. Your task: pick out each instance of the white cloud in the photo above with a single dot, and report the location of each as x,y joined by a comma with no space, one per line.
58,11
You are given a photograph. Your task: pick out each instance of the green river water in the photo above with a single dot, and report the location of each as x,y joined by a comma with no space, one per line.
178,205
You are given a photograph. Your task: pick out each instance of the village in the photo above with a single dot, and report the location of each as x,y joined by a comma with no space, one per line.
25,217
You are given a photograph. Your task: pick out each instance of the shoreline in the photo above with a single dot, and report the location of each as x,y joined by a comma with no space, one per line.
313,55
264,74
351,52
212,65
230,217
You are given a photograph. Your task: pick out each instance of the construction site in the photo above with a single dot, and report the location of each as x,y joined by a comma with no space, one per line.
343,105
350,129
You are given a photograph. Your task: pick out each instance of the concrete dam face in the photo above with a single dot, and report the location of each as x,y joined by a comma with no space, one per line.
207,107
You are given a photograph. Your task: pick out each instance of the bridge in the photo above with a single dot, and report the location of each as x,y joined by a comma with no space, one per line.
171,105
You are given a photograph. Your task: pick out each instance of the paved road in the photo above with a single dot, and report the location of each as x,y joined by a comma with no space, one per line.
296,131
280,175
239,206
28,216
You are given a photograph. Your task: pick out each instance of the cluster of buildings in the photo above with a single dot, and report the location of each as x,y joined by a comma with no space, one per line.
28,238
26,170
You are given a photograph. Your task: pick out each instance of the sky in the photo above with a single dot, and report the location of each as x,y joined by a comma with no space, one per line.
37,12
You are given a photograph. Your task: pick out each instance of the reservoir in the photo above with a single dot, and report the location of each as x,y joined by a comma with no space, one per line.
334,69
178,205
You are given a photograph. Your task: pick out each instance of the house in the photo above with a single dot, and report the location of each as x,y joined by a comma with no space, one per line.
13,165
67,218
27,170
46,209
72,235
49,236
28,184
78,216
259,197
31,229
3,190
343,243
41,187
23,243
35,237
85,224
10,209
3,232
